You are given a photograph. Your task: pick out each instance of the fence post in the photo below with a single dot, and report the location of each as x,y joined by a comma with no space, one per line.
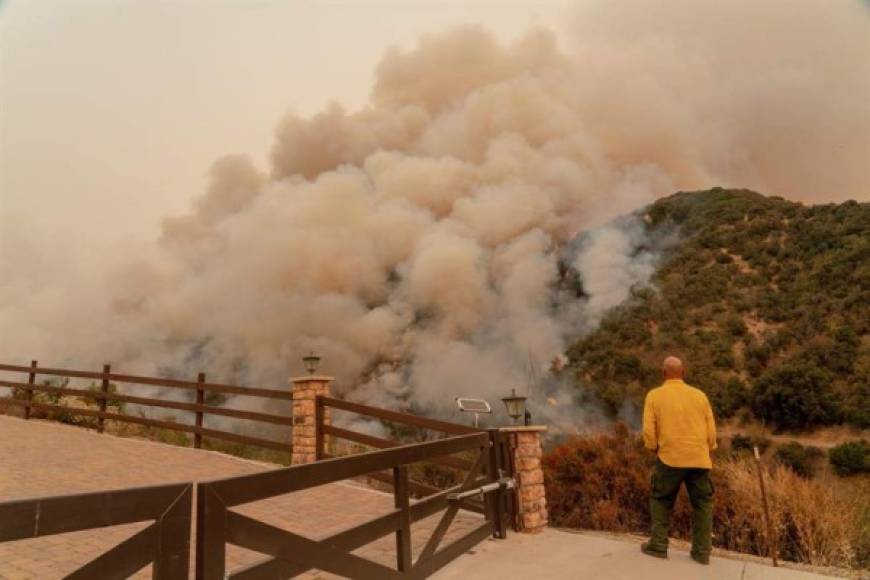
494,473
104,389
200,401
172,561
319,446
509,461
403,533
507,448
771,533
211,534
31,380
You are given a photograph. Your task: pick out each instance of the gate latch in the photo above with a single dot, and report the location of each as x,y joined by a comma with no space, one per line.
503,483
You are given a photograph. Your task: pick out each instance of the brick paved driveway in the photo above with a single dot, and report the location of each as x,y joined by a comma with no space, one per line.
40,458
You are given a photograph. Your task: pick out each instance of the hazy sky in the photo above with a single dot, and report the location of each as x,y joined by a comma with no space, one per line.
113,111
480,154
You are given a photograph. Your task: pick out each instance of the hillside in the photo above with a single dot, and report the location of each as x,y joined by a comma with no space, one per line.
768,302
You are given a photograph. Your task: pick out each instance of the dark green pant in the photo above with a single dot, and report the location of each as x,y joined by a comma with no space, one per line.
666,482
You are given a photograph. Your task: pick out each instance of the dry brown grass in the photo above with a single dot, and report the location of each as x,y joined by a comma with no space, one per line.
812,522
601,482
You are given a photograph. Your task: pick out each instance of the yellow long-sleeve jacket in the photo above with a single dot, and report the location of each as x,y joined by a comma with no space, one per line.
678,423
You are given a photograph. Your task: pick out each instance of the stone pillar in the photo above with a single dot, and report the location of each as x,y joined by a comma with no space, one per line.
305,390
529,474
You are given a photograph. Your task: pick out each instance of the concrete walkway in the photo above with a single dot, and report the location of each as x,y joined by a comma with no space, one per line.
558,555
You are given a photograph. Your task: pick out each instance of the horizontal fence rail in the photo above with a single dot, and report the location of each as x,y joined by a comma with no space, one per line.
102,394
323,403
398,417
165,543
291,554
158,382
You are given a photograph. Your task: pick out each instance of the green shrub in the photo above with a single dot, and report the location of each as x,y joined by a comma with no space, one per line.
735,326
850,458
728,397
858,403
795,396
802,460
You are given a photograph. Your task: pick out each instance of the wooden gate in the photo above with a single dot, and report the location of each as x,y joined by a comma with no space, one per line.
165,543
290,554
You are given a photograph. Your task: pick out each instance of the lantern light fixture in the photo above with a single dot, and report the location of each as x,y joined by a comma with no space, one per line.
312,361
515,405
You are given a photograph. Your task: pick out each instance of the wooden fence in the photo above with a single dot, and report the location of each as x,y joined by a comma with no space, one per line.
290,554
503,445
485,486
102,396
165,542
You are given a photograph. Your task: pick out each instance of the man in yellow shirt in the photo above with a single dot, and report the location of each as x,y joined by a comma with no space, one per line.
678,425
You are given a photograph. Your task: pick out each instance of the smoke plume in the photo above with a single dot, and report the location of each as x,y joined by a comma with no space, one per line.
415,244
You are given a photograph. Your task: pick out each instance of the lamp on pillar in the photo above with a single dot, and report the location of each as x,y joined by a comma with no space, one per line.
515,405
312,361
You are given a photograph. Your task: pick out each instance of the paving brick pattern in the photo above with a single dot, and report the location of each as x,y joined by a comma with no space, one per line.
39,458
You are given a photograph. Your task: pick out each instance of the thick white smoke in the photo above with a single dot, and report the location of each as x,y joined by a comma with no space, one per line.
415,244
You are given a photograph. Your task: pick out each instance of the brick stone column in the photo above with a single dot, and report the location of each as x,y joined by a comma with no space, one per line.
305,390
529,475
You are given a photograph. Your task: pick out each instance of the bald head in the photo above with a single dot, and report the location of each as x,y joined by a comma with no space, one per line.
673,368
